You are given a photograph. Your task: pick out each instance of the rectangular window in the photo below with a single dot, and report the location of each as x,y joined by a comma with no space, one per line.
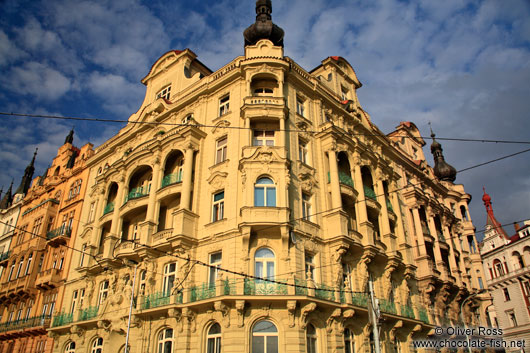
82,257
28,264
506,294
224,105
513,319
164,93
91,212
218,206
74,301
220,150
11,270
300,106
526,286
302,151
263,138
37,226
306,206
28,310
480,284
81,297
103,292
215,262
170,271
19,269
344,93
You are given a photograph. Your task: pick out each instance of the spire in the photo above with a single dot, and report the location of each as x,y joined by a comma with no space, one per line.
70,137
263,28
491,220
71,161
28,176
44,175
442,169
8,198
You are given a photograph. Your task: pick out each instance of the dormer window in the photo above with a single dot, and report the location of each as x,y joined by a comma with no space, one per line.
164,93
187,119
344,93
224,105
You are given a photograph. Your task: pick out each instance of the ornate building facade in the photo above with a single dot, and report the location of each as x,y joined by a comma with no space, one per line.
255,208
38,259
507,265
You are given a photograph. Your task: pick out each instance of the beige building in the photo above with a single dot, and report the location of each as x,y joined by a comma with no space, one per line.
507,264
253,208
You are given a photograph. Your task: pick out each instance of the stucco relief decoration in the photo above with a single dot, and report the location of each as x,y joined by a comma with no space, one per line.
307,181
240,308
222,308
220,127
79,333
217,180
191,317
333,321
364,272
304,313
291,309
337,256
176,314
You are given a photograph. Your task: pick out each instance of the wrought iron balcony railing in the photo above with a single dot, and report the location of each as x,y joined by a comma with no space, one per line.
109,208
64,231
5,255
42,320
370,193
62,319
155,300
88,313
260,287
171,179
136,193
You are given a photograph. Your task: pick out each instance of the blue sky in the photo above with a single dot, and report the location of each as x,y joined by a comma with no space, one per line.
463,65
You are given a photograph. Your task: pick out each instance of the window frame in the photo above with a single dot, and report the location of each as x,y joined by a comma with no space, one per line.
213,271
307,206
221,149
311,339
262,137
68,348
349,341
300,106
169,278
265,260
218,206
103,291
224,104
163,340
164,92
303,151
97,345
215,337
265,335
265,187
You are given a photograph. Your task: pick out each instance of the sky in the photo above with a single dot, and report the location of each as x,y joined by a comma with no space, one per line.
462,65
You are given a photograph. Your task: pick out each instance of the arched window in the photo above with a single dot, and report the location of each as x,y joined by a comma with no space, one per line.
141,287
499,269
70,348
311,339
349,341
165,341
97,345
264,337
265,193
213,342
264,263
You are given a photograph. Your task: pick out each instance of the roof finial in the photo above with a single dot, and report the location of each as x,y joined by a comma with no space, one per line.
70,137
442,169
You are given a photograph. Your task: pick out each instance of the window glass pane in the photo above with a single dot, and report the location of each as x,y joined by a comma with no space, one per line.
264,181
167,347
272,344
264,326
218,345
264,252
211,345
271,197
259,197
214,329
270,142
259,269
258,344
270,269
219,196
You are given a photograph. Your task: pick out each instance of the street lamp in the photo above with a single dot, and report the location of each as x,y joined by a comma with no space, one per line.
129,263
462,315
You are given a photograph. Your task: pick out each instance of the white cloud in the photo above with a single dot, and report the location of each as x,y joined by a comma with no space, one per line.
37,79
9,52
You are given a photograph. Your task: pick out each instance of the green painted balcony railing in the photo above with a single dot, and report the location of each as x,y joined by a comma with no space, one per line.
369,192
423,315
360,299
203,291
229,287
345,179
109,208
88,313
407,311
171,179
136,193
62,319
389,206
63,230
302,290
155,300
260,287
5,255
41,320
324,292
387,306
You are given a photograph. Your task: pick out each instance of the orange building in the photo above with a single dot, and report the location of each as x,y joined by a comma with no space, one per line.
40,251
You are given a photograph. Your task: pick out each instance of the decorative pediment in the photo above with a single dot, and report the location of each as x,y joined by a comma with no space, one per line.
307,179
220,127
217,180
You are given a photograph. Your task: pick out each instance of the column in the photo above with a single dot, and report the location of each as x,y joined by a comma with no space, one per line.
362,214
117,203
418,231
400,229
155,185
186,180
336,201
452,260
384,222
282,142
437,253
248,131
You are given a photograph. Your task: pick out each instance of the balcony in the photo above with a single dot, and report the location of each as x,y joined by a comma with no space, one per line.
260,287
369,193
88,313
258,107
127,249
109,208
264,215
62,319
40,323
59,236
49,279
387,306
4,257
160,240
156,300
171,179
136,193
19,288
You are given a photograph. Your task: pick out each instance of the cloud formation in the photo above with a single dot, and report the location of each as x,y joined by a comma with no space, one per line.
464,66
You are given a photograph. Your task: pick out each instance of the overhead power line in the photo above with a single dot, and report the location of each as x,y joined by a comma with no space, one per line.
121,121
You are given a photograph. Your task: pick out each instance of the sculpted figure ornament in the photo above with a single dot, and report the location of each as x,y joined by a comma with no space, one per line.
337,264
291,309
224,310
240,307
364,271
304,312
333,320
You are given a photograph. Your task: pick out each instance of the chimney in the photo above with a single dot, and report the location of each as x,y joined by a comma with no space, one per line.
516,226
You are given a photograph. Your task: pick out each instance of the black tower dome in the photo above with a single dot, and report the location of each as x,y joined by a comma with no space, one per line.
263,28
